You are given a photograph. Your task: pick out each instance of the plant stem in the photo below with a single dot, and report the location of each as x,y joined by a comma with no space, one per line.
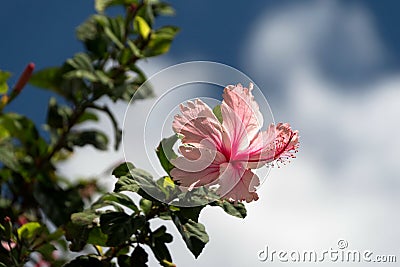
61,140
112,118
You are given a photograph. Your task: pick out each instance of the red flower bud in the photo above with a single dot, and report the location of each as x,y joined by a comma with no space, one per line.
24,78
132,8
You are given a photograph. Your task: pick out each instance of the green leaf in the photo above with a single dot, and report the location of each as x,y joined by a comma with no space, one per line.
141,26
25,131
137,89
113,38
134,49
167,182
64,202
97,237
217,113
119,198
48,78
103,78
86,225
4,75
81,61
123,169
126,183
149,188
138,258
161,234
81,74
29,230
191,213
146,12
160,251
101,5
196,197
109,205
58,117
102,20
87,30
88,116
90,137
141,182
124,261
85,218
165,152
145,205
7,156
90,32
193,233
132,91
235,209
53,79
169,188
119,226
125,56
158,240
88,261
160,41
77,235
163,9
4,132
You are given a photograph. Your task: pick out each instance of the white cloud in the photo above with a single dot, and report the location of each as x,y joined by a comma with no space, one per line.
334,37
344,183
345,179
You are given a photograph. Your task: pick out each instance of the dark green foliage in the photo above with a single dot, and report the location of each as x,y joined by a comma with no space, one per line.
89,137
193,233
32,189
29,179
88,261
57,203
235,209
160,41
138,258
165,152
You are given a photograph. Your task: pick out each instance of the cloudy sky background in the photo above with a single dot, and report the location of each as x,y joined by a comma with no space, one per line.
330,68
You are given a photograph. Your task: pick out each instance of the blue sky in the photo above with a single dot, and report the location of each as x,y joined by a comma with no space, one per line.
330,68
43,32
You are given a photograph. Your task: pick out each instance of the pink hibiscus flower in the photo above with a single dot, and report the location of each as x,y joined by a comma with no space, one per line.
215,153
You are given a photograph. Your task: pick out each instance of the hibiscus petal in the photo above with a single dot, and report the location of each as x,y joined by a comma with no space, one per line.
237,183
195,179
242,119
261,149
196,159
199,166
197,123
279,142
